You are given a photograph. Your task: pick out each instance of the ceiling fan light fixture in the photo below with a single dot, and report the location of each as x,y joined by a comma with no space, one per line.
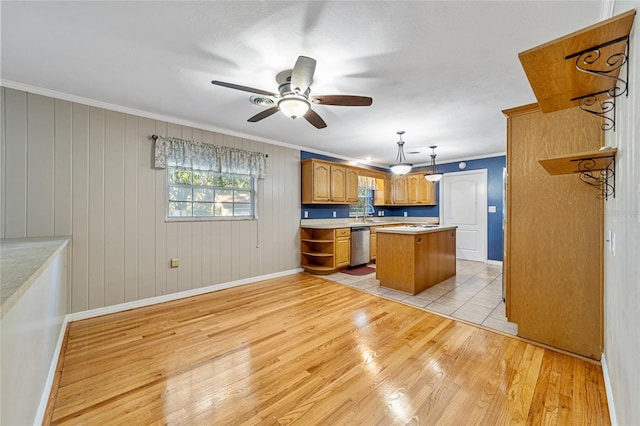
432,175
401,166
294,106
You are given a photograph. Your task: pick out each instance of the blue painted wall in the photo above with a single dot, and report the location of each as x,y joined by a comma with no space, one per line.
495,189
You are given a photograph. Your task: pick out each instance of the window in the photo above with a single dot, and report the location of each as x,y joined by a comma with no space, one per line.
365,203
206,194
205,181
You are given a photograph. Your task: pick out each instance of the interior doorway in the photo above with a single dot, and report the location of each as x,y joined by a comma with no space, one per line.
463,203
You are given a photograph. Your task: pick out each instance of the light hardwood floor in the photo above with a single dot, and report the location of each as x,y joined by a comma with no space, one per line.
306,350
474,294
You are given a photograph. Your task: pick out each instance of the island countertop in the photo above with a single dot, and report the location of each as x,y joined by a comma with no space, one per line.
415,229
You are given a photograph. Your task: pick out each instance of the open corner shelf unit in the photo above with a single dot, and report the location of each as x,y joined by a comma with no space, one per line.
317,250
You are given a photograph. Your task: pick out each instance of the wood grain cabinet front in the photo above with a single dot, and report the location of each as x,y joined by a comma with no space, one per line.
323,251
324,182
343,247
554,232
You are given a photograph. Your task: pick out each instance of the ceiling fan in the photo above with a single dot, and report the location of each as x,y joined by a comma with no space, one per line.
293,98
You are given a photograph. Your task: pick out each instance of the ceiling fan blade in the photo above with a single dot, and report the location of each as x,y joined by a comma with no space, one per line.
344,100
313,118
243,88
302,74
264,114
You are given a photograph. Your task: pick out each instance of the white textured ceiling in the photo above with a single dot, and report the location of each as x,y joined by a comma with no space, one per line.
440,70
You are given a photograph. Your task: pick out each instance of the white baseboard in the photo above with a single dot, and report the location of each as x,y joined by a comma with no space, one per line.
44,399
609,391
494,262
174,296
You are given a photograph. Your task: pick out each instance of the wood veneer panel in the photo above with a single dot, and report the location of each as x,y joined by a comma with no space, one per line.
555,80
554,231
306,350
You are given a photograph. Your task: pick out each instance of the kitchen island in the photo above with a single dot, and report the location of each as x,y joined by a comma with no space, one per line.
411,259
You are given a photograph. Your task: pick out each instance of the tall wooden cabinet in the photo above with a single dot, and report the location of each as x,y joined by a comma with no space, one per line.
554,232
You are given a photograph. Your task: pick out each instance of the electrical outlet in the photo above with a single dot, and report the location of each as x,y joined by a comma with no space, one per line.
306,214
405,214
175,263
334,214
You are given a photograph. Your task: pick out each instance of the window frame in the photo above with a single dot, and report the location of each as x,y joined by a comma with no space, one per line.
363,194
253,193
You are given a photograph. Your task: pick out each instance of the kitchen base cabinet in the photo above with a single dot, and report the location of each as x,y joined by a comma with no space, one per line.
373,240
413,262
343,247
324,251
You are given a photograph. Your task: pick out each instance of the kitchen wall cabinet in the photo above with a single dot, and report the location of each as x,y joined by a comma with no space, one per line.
420,191
351,185
324,182
411,189
382,196
554,232
399,191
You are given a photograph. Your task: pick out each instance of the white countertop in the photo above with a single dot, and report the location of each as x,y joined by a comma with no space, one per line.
22,261
377,221
414,230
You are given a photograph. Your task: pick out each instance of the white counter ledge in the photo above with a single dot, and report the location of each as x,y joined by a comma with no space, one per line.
415,230
357,222
22,260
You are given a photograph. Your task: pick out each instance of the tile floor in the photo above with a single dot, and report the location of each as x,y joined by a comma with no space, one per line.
474,294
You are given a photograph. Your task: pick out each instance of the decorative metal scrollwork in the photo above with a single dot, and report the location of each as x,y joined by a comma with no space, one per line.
590,61
590,104
602,179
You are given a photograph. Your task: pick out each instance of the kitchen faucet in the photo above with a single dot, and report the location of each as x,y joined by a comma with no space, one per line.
368,209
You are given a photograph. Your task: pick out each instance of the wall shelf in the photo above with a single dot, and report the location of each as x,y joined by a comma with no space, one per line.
582,69
595,168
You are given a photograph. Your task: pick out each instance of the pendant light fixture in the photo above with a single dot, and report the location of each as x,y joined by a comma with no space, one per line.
432,175
400,166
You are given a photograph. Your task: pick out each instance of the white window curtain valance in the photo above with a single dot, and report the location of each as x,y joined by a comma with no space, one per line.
176,152
367,183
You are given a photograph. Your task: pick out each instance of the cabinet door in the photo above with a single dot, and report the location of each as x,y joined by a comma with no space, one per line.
351,186
427,192
414,188
373,239
399,190
382,196
321,182
342,251
338,184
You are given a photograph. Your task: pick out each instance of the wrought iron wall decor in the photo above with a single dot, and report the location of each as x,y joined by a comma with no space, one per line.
603,179
604,60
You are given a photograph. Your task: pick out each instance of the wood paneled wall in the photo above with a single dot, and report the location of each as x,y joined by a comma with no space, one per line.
73,169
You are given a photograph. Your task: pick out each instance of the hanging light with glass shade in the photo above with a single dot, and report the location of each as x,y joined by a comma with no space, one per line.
401,166
432,175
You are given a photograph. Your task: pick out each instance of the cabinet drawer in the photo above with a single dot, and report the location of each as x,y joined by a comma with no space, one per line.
343,232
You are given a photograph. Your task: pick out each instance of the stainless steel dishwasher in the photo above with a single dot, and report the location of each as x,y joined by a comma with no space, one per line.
360,246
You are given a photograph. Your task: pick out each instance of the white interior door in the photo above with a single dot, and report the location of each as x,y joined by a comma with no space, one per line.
463,203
